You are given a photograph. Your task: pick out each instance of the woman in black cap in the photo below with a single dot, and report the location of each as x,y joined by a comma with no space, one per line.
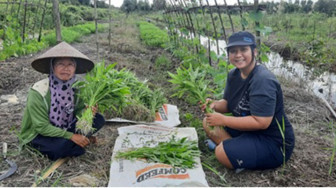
251,138
49,120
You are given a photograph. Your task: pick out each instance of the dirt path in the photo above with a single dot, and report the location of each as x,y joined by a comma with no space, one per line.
308,166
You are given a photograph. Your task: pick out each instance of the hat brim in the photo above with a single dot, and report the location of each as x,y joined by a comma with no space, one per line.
63,49
239,43
43,65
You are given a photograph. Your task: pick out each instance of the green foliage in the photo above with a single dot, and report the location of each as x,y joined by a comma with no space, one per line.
192,121
13,44
11,27
190,84
177,153
219,75
99,89
140,93
325,6
310,38
71,34
152,35
333,149
163,62
282,132
129,5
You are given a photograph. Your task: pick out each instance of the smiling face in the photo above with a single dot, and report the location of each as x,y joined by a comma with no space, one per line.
64,68
241,57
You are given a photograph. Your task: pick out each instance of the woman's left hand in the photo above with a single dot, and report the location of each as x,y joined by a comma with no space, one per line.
94,109
215,119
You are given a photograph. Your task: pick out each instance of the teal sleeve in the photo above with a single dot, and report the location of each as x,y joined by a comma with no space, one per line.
38,112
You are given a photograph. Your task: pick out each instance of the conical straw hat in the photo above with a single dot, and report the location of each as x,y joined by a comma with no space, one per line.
63,49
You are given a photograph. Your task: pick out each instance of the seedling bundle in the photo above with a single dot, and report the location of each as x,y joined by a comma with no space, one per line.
117,93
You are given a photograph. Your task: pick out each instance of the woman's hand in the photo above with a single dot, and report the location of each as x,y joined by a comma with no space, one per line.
94,109
215,119
80,140
207,101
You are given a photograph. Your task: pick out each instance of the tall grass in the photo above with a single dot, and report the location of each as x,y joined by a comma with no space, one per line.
333,149
282,132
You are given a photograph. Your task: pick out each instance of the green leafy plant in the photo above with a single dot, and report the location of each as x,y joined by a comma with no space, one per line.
162,62
282,132
99,89
141,98
191,83
333,149
176,152
152,35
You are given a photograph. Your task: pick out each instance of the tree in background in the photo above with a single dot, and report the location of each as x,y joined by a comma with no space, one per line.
271,7
306,6
129,6
290,7
73,2
102,4
325,6
159,4
84,2
143,5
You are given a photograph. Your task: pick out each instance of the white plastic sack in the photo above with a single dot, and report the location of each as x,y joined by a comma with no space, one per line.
139,173
168,115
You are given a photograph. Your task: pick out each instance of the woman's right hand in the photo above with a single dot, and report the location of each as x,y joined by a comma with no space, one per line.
208,100
80,140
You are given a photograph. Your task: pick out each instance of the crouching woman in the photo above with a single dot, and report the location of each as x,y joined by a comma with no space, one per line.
49,120
251,138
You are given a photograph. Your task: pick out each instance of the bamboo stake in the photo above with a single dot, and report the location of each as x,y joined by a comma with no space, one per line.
214,26
42,19
110,20
96,25
221,20
50,170
36,16
203,12
57,21
18,11
5,21
24,21
241,15
229,14
256,5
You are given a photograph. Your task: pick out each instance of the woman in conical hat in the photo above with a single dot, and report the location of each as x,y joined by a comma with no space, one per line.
49,120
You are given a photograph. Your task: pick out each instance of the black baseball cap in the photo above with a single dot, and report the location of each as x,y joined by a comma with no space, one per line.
241,38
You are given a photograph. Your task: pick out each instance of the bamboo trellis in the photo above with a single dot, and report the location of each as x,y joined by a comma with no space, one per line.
28,23
182,12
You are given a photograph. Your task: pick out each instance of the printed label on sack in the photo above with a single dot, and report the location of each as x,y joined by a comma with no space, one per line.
162,114
161,171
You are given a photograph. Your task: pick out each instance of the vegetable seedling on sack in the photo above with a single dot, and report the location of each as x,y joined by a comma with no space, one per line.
176,152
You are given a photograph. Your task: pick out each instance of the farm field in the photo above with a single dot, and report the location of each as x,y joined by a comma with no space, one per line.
310,118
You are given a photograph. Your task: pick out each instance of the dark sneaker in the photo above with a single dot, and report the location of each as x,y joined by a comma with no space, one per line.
211,144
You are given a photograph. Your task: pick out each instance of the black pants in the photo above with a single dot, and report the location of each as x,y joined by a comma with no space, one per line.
57,147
